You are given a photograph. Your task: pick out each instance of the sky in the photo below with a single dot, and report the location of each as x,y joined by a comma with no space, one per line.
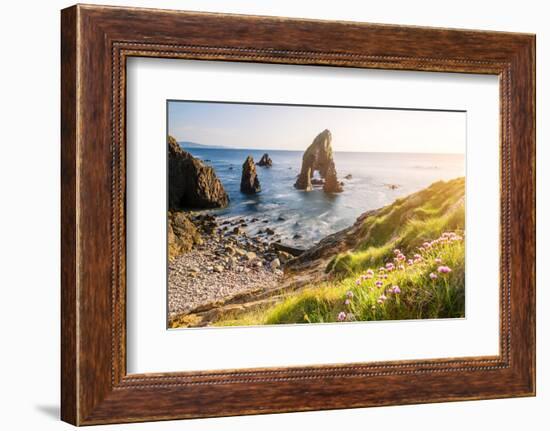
284,127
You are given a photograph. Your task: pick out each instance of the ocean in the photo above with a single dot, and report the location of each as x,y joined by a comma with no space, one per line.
303,218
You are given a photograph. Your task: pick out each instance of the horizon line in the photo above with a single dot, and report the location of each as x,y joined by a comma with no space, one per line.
210,147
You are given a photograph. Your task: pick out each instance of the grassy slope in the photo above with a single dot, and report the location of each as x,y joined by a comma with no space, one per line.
405,225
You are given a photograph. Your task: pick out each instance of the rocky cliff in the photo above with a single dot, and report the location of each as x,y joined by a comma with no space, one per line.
319,157
250,183
191,183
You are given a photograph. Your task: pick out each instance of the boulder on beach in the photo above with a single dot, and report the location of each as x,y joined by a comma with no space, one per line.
265,161
318,157
250,184
192,184
182,234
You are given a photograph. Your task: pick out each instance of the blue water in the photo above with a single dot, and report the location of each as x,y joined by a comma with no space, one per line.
315,214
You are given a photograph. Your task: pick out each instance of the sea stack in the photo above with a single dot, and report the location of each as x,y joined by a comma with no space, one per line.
265,161
191,183
250,184
318,157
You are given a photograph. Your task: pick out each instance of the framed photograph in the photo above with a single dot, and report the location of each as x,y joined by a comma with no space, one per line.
263,214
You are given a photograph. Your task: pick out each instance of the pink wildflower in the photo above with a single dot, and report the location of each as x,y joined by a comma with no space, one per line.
437,260
370,272
433,276
347,302
397,251
390,266
379,284
444,269
395,289
410,262
349,294
341,316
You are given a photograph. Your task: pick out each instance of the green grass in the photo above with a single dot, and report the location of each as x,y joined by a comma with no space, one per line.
405,225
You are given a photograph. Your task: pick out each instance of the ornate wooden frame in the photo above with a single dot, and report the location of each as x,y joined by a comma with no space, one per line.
95,42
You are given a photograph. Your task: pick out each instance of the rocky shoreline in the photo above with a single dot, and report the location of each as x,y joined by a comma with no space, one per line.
215,263
225,262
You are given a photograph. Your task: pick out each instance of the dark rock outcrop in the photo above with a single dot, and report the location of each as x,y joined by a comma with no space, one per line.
318,157
250,183
265,161
182,234
293,251
192,184
392,186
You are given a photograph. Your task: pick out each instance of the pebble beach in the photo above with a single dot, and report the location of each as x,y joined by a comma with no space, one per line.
230,260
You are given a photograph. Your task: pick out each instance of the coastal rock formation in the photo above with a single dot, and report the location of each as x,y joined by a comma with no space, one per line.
318,157
191,183
332,185
250,183
182,234
265,161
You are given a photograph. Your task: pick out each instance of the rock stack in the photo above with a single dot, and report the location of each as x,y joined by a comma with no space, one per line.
265,161
318,157
191,183
250,184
